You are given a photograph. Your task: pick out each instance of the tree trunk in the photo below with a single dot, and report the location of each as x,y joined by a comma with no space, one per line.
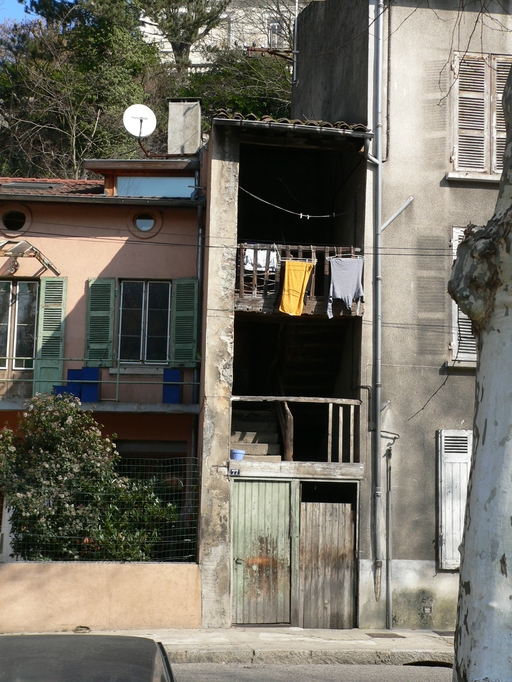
481,284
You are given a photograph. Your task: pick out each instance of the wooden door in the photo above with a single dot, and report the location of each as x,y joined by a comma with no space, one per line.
327,578
261,551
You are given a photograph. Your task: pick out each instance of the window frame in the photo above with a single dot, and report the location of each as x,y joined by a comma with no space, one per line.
479,134
9,362
143,361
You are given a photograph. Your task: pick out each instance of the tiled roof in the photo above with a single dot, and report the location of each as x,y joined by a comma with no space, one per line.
340,125
50,187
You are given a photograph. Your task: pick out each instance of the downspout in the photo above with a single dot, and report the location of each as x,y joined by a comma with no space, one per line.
377,293
200,248
376,159
295,52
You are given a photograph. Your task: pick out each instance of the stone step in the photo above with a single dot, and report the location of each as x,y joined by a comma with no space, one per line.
262,458
258,448
253,437
254,415
260,427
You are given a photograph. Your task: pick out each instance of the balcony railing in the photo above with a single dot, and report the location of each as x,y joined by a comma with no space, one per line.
147,387
259,272
342,424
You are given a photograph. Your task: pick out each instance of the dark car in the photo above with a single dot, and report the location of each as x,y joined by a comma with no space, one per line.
82,658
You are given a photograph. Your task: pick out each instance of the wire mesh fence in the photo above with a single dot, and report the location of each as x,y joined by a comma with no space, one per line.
148,512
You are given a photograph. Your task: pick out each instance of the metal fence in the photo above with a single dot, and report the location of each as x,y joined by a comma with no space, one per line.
149,514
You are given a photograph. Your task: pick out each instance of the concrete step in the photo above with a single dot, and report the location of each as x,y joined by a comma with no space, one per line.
244,436
257,448
262,458
260,427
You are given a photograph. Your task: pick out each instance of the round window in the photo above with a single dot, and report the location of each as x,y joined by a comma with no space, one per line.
14,221
144,222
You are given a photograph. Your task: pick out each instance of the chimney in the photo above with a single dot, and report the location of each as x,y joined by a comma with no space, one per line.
184,129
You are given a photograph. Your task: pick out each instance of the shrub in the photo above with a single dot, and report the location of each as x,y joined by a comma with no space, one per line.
65,498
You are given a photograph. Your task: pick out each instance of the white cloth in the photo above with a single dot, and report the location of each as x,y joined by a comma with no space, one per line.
346,282
261,264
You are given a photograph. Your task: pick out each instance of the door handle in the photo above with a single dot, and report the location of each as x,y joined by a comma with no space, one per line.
239,561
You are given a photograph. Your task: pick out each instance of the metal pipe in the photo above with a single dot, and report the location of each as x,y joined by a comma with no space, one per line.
389,591
200,255
397,213
377,293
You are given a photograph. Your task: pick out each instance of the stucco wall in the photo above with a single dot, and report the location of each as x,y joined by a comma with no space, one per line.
218,340
422,598
332,62
420,392
55,597
88,241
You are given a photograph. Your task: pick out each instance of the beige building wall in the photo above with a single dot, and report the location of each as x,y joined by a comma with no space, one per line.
58,596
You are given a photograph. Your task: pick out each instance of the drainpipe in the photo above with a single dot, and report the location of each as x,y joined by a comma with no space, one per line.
200,254
376,159
377,293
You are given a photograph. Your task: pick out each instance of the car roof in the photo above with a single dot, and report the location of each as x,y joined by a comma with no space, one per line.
76,658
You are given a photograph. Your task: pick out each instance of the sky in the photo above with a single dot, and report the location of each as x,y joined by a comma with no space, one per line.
11,9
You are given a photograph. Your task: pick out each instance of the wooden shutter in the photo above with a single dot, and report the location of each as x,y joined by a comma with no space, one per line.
184,322
463,339
100,322
499,75
454,462
49,360
472,116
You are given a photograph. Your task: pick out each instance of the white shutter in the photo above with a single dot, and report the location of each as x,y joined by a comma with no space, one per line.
454,461
463,339
499,75
472,115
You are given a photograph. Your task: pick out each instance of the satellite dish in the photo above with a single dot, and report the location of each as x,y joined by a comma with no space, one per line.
139,120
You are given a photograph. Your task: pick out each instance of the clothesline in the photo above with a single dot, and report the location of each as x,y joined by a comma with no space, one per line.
286,210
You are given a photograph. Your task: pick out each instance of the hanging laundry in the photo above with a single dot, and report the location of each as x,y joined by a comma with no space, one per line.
261,264
346,282
296,278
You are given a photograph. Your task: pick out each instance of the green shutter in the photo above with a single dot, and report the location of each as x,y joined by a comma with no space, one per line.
49,360
100,322
184,322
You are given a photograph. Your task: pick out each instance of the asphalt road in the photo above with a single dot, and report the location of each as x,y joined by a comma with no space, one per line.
216,672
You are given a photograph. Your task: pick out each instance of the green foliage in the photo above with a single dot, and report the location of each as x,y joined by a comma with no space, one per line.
64,86
65,498
184,22
239,83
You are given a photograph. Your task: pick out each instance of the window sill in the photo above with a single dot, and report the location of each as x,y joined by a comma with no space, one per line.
467,176
137,369
460,364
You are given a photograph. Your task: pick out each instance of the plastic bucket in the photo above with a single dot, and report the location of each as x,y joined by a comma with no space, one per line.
236,454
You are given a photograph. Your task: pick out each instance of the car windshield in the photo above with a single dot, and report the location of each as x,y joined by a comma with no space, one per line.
76,658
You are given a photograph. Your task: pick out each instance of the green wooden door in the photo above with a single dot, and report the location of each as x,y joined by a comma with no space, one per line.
261,551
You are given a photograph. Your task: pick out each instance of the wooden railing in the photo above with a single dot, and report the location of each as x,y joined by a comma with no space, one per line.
342,426
259,267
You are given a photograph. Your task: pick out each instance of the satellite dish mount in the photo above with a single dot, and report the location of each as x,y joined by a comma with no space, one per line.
139,121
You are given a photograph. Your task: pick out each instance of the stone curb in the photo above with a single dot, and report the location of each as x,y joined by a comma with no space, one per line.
248,656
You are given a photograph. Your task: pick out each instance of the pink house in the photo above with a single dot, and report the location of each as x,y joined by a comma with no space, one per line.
99,297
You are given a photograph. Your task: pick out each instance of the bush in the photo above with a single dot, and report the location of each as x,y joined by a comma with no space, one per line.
65,498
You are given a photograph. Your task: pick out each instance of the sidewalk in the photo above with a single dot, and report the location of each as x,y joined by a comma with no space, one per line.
285,645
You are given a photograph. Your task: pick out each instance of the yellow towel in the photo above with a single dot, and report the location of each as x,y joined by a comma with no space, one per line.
296,278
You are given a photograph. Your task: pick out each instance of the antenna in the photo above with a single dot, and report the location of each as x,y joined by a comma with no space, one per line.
139,120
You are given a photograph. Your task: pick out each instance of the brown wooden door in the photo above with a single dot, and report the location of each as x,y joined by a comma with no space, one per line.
261,551
327,583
